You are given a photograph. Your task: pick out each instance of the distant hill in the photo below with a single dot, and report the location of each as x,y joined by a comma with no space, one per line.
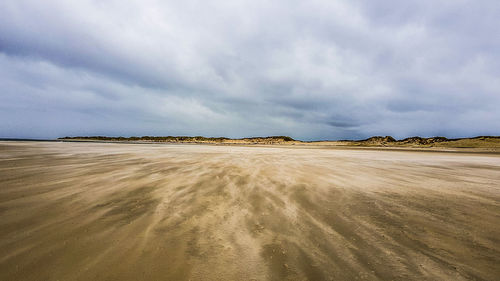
187,139
480,141
376,141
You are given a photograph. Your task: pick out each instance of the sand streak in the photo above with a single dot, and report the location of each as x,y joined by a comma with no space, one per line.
90,211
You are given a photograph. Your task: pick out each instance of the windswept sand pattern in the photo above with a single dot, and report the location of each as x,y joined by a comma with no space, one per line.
89,211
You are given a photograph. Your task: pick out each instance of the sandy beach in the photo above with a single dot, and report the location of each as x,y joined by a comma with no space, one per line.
97,211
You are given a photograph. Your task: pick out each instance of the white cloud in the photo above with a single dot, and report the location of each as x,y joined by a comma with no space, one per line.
316,69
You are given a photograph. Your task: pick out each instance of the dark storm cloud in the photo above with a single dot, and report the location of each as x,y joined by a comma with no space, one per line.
312,70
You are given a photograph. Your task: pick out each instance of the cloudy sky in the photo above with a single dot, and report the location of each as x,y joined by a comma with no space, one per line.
308,69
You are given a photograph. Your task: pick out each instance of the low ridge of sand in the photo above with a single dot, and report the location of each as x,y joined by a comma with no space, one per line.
96,211
475,144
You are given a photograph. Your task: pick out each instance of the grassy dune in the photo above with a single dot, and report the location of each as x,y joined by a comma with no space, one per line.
97,211
491,143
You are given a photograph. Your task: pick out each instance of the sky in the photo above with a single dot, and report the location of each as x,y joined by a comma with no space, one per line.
311,70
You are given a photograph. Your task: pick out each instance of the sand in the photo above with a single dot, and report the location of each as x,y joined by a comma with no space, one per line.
93,211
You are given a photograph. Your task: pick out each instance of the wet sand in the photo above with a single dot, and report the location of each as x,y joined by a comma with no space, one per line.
93,211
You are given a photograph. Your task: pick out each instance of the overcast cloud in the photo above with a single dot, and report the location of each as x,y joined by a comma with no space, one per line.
307,69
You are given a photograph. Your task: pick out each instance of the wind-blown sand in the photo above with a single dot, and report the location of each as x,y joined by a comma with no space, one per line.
92,211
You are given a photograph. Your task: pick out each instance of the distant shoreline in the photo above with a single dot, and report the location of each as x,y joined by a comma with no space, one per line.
481,142
487,143
372,141
482,145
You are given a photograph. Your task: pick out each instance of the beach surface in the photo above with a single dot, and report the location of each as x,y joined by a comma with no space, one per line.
109,211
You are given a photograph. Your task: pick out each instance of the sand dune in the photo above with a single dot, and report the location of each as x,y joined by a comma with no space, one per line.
93,211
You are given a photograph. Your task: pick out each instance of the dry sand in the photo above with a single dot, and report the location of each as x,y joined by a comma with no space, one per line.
90,211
